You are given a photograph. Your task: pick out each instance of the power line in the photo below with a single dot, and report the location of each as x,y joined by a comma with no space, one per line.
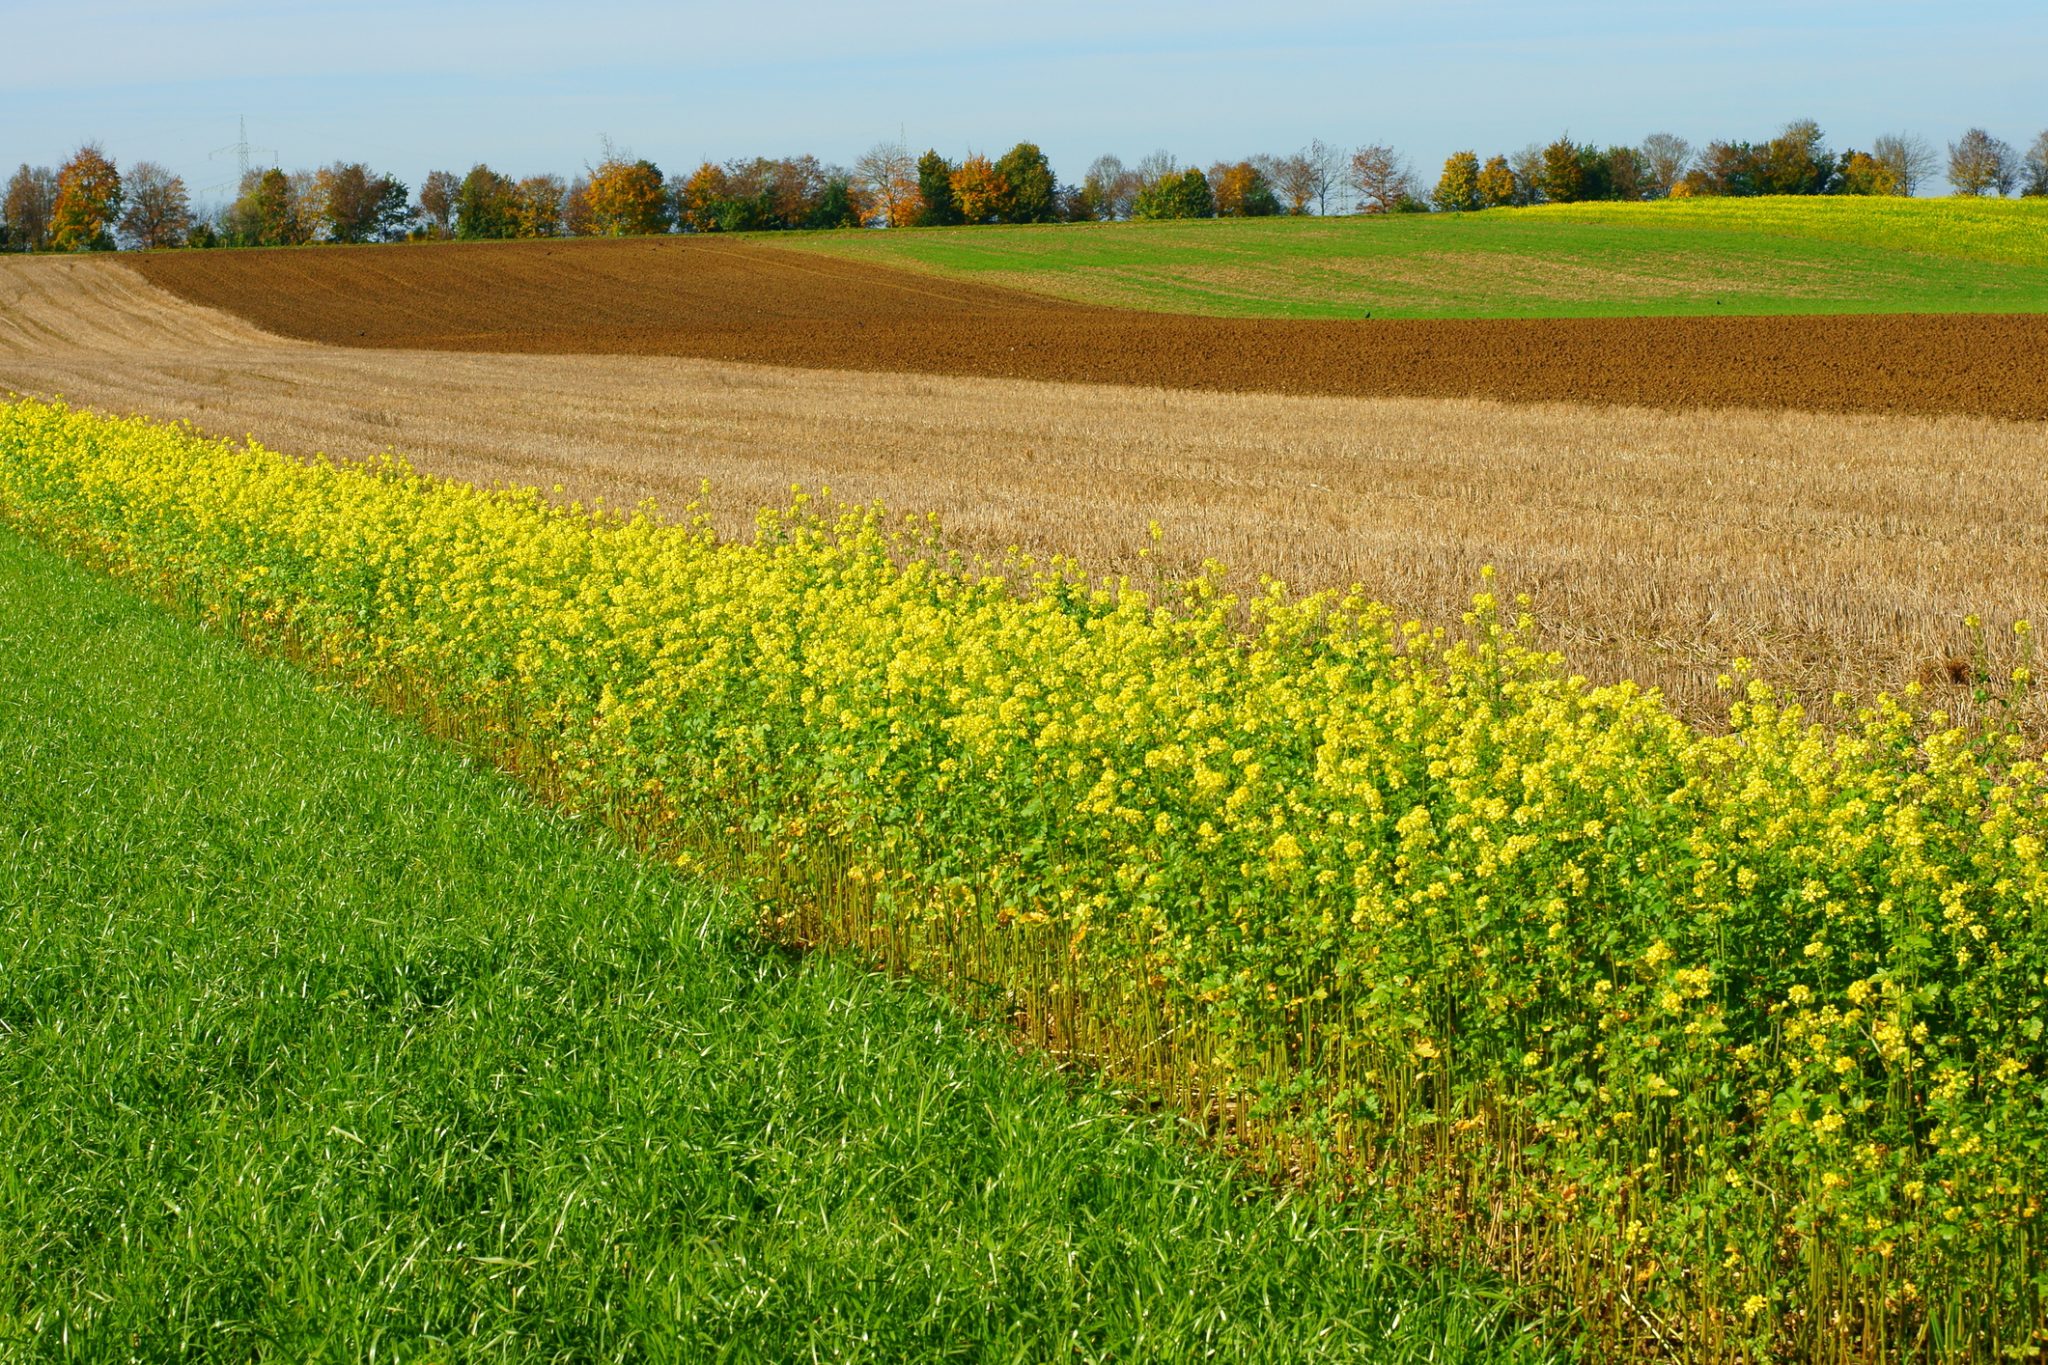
241,148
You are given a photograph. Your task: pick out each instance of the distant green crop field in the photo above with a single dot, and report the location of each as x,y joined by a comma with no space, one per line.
1684,257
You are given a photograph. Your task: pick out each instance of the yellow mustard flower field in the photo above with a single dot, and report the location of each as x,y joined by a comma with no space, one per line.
1735,1037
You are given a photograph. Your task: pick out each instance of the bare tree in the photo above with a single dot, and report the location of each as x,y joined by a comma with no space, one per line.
1155,167
1382,178
2035,168
1908,157
31,199
1527,165
437,200
1981,162
307,202
1294,180
1325,171
159,213
1109,189
886,175
1665,156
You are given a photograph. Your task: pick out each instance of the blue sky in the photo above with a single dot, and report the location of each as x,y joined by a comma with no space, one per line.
532,87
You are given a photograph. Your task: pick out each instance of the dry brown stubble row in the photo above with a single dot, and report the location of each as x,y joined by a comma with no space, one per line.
1840,552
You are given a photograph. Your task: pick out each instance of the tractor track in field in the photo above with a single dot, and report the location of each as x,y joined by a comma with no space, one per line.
739,301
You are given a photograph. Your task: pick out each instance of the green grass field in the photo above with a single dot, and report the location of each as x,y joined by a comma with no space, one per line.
319,1043
1703,257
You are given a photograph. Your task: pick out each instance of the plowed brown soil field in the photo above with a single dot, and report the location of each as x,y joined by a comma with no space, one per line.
730,301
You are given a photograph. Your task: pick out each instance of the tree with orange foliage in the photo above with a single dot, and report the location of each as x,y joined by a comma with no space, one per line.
1862,173
537,206
88,202
1457,189
887,179
1242,191
576,221
700,199
627,198
1496,183
1381,176
979,189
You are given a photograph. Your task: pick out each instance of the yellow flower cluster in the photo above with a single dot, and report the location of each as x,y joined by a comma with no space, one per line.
1737,1020
2010,230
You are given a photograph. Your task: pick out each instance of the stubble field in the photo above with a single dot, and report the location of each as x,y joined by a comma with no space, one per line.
1657,542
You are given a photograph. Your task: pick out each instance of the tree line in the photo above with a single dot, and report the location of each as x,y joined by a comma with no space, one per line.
90,204
1797,161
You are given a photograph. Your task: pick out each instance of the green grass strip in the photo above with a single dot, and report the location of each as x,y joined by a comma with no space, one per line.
318,1043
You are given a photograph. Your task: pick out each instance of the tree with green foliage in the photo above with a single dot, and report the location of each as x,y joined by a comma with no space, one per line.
485,205
837,207
267,212
735,197
1457,189
1596,174
1186,195
749,202
1628,174
1724,168
935,191
1496,184
30,200
1564,172
1033,194
1796,161
764,194
355,204
88,202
